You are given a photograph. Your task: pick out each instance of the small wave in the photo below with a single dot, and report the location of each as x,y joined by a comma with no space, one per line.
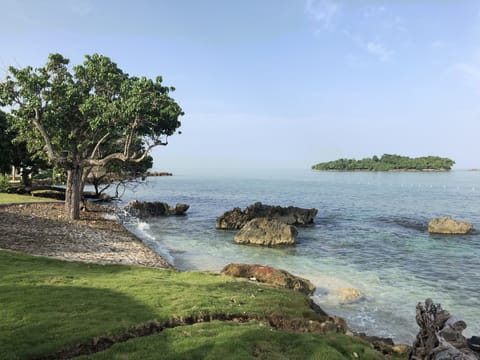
111,216
141,229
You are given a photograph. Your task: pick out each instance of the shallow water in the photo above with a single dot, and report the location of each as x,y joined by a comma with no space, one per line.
370,234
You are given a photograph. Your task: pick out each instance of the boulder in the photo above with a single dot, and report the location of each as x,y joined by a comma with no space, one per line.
291,215
270,275
267,232
156,208
447,225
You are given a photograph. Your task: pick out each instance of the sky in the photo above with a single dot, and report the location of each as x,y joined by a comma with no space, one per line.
280,83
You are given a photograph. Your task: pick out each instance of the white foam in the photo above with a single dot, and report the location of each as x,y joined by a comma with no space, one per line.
110,216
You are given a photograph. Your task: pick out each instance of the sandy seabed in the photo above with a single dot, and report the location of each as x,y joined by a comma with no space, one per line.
42,229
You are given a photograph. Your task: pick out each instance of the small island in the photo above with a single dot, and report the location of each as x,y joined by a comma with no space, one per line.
388,162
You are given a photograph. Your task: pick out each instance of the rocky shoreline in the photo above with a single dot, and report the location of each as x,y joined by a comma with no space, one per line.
41,229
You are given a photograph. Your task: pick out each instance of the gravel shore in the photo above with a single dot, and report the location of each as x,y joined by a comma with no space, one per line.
42,229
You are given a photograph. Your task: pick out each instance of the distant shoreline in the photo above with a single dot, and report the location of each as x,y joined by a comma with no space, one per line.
386,171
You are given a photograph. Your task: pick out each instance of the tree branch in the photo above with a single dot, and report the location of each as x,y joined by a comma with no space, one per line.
122,157
43,132
97,146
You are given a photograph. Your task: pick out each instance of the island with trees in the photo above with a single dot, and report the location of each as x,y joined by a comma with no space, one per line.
388,162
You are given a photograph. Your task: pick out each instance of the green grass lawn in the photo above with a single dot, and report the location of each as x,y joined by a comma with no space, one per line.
14,199
47,305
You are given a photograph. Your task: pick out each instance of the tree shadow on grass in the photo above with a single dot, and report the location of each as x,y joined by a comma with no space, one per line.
39,320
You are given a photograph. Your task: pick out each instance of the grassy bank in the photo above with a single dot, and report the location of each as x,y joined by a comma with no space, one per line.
15,199
48,305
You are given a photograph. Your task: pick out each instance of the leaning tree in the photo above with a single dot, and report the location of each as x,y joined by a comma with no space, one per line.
89,115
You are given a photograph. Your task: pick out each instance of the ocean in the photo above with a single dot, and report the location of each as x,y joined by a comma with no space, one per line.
370,234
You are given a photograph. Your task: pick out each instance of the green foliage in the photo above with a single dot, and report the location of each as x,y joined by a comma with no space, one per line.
389,163
16,152
4,183
49,304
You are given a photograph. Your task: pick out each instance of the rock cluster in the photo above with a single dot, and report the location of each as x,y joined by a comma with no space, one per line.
267,232
156,208
447,225
270,275
440,335
266,225
291,215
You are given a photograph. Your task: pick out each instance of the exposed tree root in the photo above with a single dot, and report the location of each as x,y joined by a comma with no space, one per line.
101,343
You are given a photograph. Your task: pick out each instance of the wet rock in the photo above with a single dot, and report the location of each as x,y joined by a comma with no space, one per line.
440,335
385,345
270,275
447,225
291,215
267,232
156,208
346,295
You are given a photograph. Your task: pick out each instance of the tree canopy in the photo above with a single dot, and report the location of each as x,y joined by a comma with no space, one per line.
88,115
388,162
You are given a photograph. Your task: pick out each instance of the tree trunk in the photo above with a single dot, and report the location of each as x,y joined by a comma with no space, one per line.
27,182
73,192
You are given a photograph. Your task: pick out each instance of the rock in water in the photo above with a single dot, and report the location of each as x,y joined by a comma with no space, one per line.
440,335
447,225
269,275
156,208
267,232
236,218
345,295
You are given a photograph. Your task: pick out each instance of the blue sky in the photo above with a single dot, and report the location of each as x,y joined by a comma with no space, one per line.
280,83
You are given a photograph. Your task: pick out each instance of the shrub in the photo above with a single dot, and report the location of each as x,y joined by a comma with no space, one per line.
4,183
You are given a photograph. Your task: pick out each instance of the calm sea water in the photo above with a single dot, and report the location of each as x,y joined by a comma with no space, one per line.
370,234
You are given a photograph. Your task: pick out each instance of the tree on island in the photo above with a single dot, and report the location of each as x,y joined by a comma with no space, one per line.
88,116
388,162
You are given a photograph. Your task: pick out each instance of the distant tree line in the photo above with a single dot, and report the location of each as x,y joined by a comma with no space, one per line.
388,162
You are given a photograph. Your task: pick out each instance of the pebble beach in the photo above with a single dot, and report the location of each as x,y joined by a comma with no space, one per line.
42,229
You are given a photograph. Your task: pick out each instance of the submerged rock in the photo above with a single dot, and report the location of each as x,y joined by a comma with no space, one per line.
267,232
156,208
270,275
291,215
345,295
447,225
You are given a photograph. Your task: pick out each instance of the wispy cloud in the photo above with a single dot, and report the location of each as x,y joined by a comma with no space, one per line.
323,11
375,48
379,50
469,71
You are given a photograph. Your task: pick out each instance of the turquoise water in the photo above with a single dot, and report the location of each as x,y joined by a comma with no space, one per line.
370,234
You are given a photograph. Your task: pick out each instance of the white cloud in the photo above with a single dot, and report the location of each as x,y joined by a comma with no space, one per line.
469,71
379,50
323,11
